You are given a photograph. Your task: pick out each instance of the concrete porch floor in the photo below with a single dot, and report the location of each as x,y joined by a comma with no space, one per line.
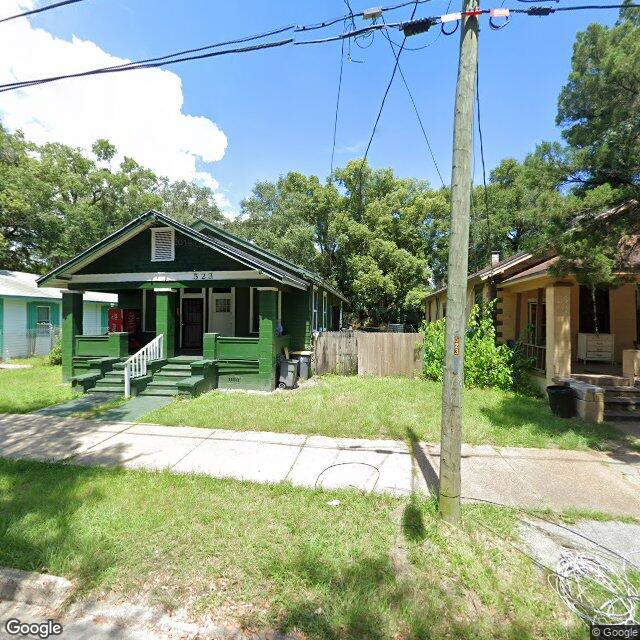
603,481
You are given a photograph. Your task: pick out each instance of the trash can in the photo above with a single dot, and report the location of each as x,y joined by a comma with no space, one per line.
288,374
304,363
562,400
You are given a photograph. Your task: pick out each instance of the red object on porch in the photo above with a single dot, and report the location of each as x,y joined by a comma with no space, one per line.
128,321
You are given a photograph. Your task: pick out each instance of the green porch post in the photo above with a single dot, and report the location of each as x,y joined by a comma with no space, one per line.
166,320
266,337
71,327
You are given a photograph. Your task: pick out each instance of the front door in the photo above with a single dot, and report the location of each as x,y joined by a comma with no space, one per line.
221,318
192,323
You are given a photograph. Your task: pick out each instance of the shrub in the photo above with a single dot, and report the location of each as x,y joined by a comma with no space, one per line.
486,363
55,355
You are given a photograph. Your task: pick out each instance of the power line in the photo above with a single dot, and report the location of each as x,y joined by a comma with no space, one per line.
130,66
484,170
351,15
415,108
55,5
335,121
173,58
386,93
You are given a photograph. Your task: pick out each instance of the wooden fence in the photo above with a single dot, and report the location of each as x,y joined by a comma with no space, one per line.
369,354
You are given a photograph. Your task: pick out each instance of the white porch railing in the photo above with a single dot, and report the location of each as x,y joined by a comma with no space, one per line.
136,365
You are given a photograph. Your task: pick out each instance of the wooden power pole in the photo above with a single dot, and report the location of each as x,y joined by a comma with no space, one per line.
451,425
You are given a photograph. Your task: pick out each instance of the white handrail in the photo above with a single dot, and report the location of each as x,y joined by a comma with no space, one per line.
136,365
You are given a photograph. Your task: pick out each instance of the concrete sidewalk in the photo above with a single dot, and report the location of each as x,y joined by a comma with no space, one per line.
608,482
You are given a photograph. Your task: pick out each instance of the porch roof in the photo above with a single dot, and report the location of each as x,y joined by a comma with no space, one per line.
226,244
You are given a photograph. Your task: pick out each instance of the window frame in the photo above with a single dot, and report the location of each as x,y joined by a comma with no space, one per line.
154,232
325,318
315,299
48,308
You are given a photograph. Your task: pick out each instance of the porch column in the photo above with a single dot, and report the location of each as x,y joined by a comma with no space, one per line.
558,303
506,313
266,337
166,319
71,327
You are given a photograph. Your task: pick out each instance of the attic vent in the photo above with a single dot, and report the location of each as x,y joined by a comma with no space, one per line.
162,245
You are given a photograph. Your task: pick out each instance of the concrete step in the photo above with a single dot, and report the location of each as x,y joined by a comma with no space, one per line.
626,416
168,384
107,388
621,392
183,359
152,390
176,367
601,380
622,404
171,375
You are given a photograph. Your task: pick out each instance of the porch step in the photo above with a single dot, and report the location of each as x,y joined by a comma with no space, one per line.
601,380
625,416
185,360
154,389
618,403
621,392
106,388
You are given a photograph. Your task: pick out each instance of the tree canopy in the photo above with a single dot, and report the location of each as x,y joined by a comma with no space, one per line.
382,239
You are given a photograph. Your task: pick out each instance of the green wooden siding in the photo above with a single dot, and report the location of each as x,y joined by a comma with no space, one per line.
296,318
134,256
1,328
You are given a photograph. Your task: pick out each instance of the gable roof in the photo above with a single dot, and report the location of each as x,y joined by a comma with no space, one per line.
517,260
249,246
19,284
224,243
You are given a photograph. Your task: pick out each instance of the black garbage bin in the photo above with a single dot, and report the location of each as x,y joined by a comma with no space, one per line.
562,400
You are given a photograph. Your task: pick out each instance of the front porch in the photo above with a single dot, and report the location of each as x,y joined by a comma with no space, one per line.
554,323
183,356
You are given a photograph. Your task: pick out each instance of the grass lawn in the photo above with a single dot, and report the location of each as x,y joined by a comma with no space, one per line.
386,408
25,390
276,556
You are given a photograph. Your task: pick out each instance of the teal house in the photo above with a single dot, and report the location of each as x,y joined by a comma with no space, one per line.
30,317
206,310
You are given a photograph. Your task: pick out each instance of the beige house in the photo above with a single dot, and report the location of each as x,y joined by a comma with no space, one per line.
552,318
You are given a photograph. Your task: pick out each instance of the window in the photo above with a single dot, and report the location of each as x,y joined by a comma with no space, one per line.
532,319
44,315
43,320
315,309
254,310
586,322
223,305
325,312
162,244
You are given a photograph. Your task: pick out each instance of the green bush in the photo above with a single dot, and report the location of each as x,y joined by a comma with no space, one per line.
55,355
486,363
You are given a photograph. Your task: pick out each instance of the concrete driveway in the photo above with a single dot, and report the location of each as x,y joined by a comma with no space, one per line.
608,482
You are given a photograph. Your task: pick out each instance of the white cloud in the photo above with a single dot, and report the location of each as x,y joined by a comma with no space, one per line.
140,112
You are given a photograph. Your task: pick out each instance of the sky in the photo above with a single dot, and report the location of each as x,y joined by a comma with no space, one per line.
228,122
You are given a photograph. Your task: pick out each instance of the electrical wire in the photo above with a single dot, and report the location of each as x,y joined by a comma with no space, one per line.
360,14
415,108
134,66
484,169
384,99
48,7
335,120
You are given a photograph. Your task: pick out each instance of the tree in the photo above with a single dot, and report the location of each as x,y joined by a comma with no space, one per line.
599,107
186,201
595,247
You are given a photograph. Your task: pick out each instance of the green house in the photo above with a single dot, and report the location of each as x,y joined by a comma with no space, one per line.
214,310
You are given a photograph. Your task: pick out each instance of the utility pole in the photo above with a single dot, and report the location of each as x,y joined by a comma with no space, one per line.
451,425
